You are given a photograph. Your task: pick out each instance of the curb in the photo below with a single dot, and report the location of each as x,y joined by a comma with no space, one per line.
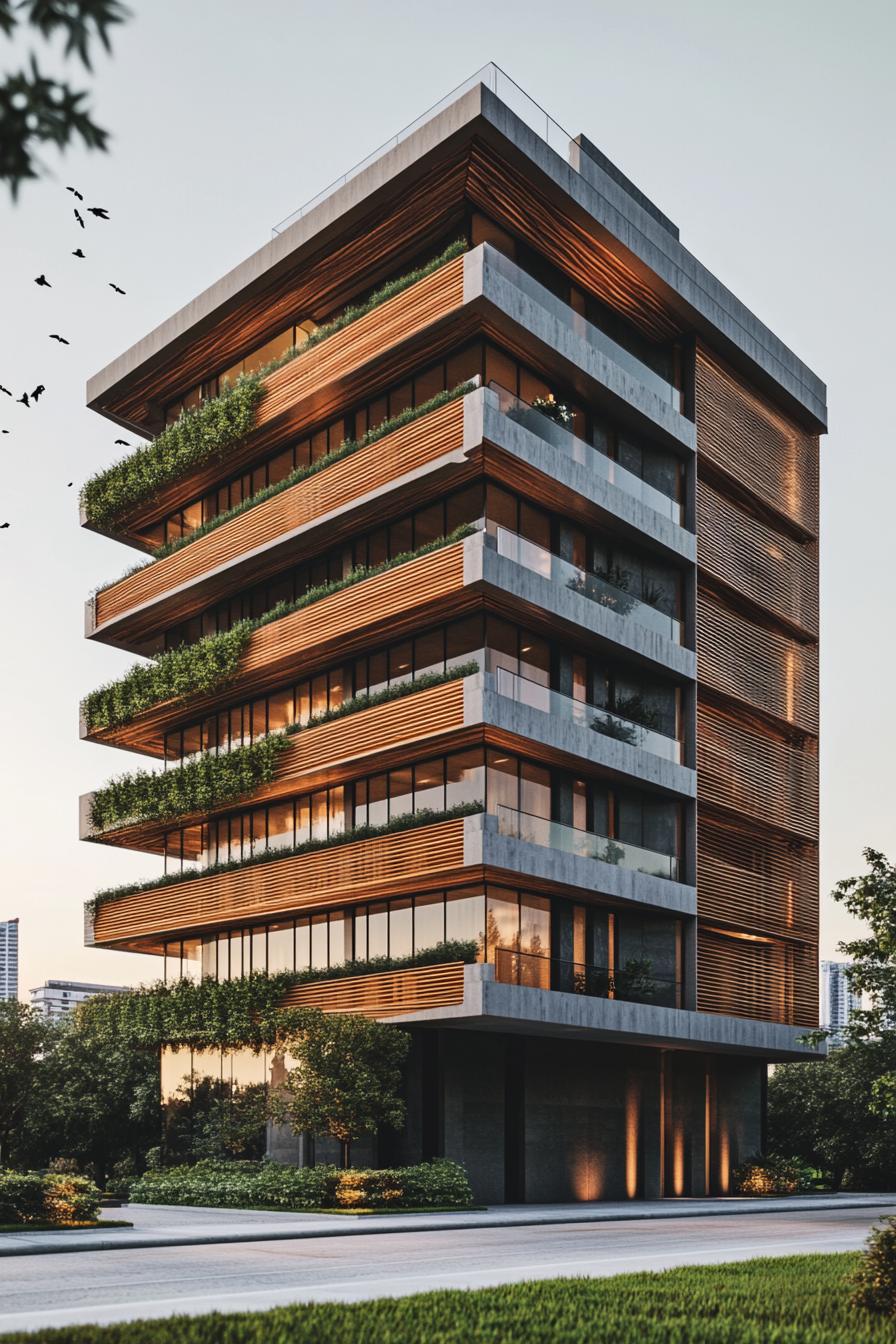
442,1223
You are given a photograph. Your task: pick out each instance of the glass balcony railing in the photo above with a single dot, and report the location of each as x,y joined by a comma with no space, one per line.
536,696
584,844
633,983
577,450
541,561
587,331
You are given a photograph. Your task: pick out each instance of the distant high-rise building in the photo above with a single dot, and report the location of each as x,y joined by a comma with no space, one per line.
57,998
9,959
838,1000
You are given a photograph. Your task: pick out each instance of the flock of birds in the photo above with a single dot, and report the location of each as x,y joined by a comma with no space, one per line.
29,399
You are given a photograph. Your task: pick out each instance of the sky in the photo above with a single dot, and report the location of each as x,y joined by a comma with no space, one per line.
765,131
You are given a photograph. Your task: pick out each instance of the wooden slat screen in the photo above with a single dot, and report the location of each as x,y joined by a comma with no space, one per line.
755,444
754,880
370,468
358,871
746,771
769,569
309,636
313,287
772,981
756,664
388,994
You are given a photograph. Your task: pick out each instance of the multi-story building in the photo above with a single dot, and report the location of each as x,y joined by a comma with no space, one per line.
838,999
598,545
55,999
9,959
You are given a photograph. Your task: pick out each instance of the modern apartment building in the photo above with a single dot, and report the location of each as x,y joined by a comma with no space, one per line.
838,1000
9,959
55,999
577,695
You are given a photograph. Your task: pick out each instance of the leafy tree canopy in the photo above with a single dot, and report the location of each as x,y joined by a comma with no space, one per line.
23,1036
872,899
36,109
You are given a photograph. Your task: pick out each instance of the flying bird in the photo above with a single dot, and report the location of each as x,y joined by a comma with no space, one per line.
35,395
71,483
61,339
43,282
98,211
24,400
4,431
122,443
2,525
75,193
5,389
116,288
80,220
78,253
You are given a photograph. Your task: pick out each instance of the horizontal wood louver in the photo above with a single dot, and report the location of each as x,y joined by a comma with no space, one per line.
514,202
389,864
755,444
309,637
753,879
385,995
758,665
315,285
371,468
774,572
744,770
770,980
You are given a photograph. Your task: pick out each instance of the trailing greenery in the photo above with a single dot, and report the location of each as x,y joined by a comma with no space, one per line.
345,449
210,662
205,434
215,779
800,1299
251,1185
410,822
198,786
209,1013
196,438
35,1197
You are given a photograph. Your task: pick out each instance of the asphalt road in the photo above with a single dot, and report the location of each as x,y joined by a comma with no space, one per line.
103,1286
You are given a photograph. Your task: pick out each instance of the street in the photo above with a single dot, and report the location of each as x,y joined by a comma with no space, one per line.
103,1286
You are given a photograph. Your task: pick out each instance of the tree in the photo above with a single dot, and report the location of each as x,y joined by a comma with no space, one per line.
872,899
23,1036
36,109
346,1078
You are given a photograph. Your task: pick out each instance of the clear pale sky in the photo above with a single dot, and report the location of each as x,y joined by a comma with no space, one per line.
765,131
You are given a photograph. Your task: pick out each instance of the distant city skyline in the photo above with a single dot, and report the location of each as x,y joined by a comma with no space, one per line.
9,958
55,999
838,1001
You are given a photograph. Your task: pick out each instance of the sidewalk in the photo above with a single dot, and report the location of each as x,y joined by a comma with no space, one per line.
173,1225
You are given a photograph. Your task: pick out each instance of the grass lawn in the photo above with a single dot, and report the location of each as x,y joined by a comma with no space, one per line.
793,1300
63,1227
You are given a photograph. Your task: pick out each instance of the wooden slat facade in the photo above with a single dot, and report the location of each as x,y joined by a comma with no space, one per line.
406,862
371,468
389,994
757,709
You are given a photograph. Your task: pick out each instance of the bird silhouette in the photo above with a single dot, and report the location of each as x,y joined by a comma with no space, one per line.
78,253
122,443
74,192
80,220
2,525
4,431
98,210
5,389
43,282
38,391
61,339
71,483
116,288
23,399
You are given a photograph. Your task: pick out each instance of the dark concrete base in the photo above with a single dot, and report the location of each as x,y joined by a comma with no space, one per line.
538,1120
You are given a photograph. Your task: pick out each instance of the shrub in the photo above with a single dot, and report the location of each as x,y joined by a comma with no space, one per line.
874,1282
247,1185
29,1197
772,1175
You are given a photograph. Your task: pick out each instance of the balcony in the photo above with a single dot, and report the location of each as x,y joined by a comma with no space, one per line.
633,983
585,844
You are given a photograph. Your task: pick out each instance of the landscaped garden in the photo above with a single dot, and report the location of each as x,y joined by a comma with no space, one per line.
793,1300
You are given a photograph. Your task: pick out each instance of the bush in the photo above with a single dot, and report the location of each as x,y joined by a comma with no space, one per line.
29,1197
874,1282
248,1185
772,1175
